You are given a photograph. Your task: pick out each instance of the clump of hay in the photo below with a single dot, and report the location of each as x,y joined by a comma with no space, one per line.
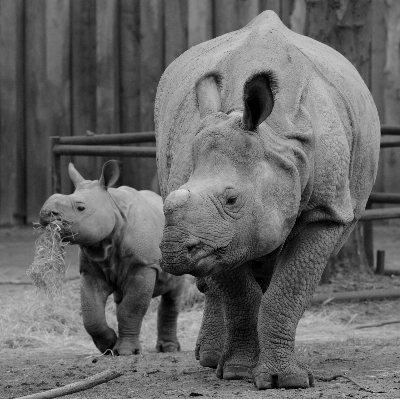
48,268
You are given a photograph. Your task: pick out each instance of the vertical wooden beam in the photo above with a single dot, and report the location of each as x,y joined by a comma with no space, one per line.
200,15
378,59
274,5
231,15
176,29
129,57
83,36
392,91
12,140
152,67
36,108
107,71
58,78
286,11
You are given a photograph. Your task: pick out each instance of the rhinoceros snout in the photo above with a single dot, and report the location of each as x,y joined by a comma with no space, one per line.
47,216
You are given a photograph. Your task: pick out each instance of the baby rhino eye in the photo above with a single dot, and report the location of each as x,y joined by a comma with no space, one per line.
80,208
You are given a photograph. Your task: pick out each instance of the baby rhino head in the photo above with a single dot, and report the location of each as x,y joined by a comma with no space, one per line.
87,215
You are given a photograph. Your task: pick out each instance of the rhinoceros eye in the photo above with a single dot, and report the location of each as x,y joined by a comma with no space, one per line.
231,200
80,208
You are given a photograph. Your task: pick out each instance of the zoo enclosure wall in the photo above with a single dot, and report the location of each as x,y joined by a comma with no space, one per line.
68,66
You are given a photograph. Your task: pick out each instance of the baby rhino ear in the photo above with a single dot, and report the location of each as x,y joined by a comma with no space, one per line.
109,174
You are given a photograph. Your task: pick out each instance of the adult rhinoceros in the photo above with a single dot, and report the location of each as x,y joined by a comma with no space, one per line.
267,150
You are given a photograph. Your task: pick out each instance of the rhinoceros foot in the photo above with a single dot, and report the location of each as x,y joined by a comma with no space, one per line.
163,346
125,347
298,375
208,357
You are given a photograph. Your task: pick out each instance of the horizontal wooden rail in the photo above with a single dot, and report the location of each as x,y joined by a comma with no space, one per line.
365,295
380,214
390,144
115,138
390,130
384,198
105,150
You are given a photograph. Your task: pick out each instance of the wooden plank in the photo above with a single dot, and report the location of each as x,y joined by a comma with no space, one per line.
391,92
231,15
386,198
176,29
390,293
105,150
380,214
58,78
274,5
200,21
286,11
378,58
117,138
12,141
83,36
107,71
152,66
36,109
129,58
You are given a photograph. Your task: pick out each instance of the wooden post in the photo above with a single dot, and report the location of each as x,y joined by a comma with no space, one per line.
36,102
369,238
380,262
152,67
58,80
129,58
200,15
391,92
345,26
12,140
176,29
83,36
107,71
55,166
230,15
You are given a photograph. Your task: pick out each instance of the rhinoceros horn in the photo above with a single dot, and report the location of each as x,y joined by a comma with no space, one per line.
75,176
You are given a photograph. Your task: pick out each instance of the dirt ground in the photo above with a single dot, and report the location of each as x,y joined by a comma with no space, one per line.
326,340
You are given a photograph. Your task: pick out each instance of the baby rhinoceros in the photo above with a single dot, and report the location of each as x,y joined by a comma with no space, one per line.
118,231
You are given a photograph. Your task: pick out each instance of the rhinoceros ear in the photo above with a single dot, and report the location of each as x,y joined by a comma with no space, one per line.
258,101
109,174
208,95
74,174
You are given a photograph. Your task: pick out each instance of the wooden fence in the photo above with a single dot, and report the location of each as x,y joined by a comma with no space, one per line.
68,66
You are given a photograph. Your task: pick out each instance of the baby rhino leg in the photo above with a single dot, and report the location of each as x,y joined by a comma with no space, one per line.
137,293
167,322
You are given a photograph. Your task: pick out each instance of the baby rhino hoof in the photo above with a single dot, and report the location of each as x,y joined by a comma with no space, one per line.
290,378
167,347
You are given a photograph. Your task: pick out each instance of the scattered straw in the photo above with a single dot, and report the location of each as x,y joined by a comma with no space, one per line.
48,268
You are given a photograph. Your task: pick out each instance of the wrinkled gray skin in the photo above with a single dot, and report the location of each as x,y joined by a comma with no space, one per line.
118,232
267,150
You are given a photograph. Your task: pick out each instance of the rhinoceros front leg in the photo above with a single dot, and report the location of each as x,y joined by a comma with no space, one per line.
137,294
210,341
94,294
240,297
167,320
296,276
